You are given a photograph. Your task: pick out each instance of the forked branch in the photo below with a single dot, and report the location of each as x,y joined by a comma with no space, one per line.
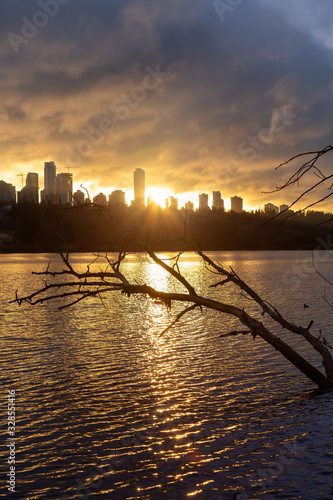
94,284
310,165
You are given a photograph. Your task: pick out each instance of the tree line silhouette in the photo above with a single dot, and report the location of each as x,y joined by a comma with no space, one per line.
42,228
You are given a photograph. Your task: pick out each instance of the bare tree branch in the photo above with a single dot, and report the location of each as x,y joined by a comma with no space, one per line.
178,317
317,153
95,284
275,314
319,273
308,166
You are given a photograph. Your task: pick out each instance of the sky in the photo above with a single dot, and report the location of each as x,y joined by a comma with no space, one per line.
203,95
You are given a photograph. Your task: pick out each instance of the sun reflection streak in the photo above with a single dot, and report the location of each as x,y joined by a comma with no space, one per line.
173,439
157,276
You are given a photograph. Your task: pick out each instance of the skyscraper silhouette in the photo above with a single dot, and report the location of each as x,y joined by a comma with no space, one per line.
65,188
50,193
30,191
236,204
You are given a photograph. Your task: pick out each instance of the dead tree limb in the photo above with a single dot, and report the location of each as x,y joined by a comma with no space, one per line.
310,165
91,284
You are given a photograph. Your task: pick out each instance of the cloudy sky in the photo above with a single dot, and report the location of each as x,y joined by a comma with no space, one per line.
202,95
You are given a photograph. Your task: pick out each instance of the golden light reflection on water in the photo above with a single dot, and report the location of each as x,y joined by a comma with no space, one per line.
194,493
156,276
165,369
172,414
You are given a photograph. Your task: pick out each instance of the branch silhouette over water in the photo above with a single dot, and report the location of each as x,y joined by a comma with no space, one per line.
70,287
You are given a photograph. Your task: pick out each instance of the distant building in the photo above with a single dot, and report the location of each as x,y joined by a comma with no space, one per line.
236,204
64,188
32,180
30,192
7,192
100,199
78,197
117,198
189,206
203,201
151,202
50,183
218,203
139,187
173,203
269,208
283,208
27,194
166,203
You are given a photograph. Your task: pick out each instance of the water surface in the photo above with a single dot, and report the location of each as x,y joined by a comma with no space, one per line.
107,408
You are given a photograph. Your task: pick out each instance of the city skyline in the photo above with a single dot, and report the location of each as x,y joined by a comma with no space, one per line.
157,195
202,100
59,187
166,244
160,194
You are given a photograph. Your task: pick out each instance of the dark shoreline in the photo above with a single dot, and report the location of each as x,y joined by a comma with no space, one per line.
46,229
23,251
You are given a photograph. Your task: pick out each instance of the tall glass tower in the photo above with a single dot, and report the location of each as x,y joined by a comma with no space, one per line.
50,193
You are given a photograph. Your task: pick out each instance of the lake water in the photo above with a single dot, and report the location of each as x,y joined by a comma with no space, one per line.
107,408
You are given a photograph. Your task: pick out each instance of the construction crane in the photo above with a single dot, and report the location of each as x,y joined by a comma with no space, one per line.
69,168
21,175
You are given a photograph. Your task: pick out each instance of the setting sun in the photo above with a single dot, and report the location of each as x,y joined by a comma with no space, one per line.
166,252
158,195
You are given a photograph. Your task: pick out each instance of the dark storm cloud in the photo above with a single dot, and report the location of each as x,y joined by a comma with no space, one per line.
226,83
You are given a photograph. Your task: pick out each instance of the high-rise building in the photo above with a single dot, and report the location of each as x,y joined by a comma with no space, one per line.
173,205
64,188
269,208
139,186
30,192
32,180
151,202
50,183
218,203
236,204
283,208
189,206
117,198
78,197
7,192
100,199
203,201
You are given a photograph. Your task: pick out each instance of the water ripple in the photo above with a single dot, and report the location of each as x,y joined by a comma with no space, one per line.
106,408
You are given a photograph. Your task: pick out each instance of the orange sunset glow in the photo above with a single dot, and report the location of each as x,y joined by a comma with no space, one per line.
166,249
167,88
